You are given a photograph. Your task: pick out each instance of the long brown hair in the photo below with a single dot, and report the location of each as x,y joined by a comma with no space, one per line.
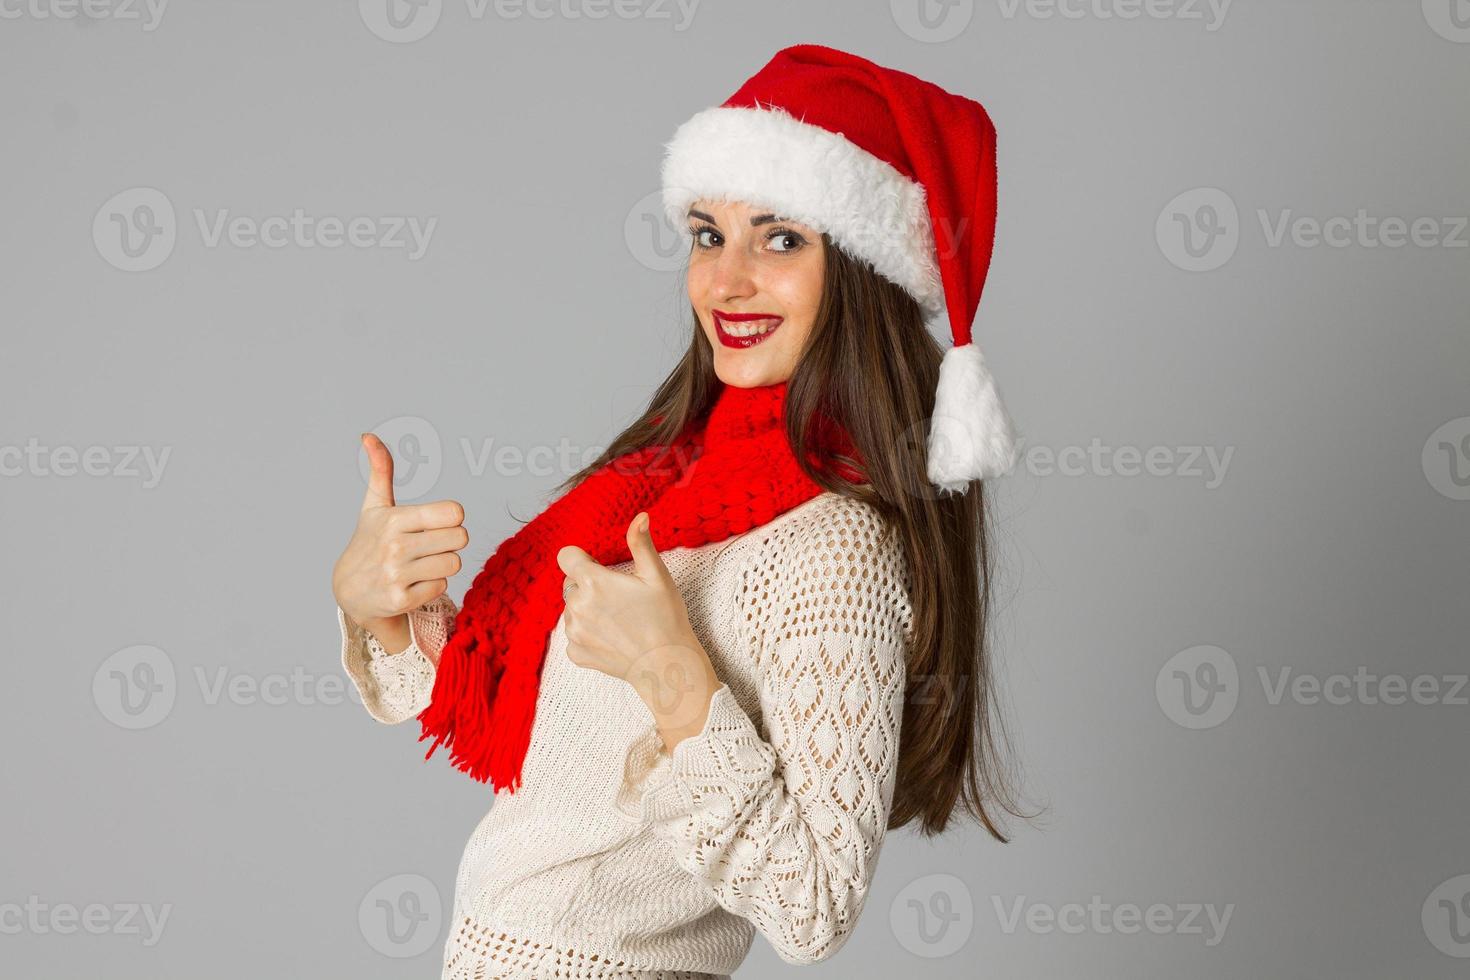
871,365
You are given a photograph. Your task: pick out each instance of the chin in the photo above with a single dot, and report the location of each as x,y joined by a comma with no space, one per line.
747,375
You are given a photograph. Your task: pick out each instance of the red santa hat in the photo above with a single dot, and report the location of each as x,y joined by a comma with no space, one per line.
897,172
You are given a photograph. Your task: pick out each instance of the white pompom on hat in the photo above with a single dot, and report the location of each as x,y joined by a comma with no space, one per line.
897,172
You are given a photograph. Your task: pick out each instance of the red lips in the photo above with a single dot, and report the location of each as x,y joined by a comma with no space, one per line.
730,340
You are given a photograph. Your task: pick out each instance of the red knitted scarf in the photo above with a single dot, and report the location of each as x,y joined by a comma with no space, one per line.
733,471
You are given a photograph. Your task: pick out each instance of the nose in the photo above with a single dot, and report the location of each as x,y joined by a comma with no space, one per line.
733,274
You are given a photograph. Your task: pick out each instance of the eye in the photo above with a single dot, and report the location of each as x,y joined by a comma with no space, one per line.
794,242
700,231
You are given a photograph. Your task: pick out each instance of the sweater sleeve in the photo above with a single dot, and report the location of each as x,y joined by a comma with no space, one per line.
785,828
397,686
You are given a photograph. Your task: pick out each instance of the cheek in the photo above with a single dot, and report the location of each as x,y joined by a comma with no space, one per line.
697,275
697,279
800,290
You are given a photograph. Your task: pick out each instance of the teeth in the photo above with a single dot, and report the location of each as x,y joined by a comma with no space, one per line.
749,328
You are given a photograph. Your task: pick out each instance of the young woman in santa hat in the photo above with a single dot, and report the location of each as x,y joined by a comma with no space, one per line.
751,637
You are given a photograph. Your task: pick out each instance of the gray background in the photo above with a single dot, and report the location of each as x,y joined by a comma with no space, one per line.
545,310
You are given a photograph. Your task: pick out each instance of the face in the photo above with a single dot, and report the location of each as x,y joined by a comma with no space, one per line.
756,282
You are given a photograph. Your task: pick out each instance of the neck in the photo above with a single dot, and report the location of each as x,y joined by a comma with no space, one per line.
740,413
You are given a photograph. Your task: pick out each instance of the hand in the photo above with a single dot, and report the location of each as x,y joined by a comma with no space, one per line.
636,627
399,557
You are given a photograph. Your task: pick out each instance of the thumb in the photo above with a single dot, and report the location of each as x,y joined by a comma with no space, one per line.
380,479
646,561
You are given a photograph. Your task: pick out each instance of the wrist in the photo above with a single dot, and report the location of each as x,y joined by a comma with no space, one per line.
392,633
676,682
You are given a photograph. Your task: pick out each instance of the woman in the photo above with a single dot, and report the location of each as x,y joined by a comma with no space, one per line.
750,637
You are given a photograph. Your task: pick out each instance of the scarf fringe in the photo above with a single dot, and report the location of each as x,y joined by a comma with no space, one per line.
458,714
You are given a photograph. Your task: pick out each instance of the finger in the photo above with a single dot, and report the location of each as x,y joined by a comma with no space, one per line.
422,592
578,564
647,564
417,544
380,476
434,566
424,517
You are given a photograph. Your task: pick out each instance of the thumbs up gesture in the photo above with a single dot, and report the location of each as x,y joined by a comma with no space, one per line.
636,627
399,556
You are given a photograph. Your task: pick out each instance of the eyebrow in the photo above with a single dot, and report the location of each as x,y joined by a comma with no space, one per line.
760,219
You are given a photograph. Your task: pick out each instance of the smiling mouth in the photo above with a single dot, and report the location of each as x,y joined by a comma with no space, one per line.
744,329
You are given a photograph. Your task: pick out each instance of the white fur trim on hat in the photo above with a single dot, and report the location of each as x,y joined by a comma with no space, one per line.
769,158
971,436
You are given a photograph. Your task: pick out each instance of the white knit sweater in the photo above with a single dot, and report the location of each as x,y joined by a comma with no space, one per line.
617,859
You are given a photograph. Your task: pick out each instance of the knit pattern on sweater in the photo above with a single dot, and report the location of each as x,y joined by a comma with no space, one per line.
769,819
